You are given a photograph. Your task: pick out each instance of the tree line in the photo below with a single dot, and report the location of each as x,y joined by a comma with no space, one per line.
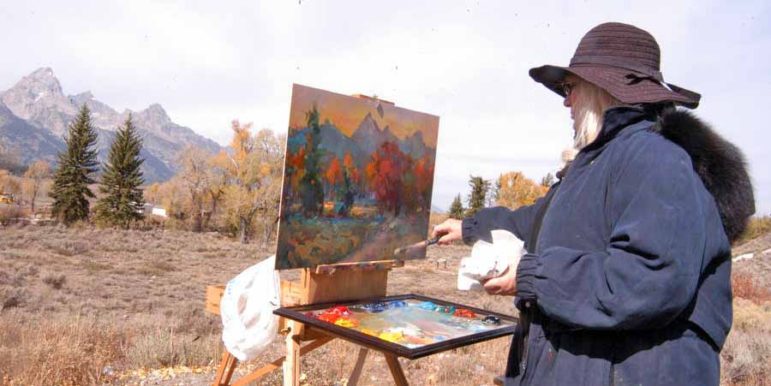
235,191
511,190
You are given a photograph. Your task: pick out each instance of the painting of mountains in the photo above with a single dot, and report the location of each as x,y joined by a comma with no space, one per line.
358,177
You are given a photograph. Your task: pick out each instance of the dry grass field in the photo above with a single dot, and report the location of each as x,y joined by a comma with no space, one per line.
86,306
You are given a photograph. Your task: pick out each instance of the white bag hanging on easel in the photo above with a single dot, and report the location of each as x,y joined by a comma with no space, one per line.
489,260
248,323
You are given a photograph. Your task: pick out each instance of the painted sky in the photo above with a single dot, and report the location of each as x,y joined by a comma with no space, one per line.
211,62
347,112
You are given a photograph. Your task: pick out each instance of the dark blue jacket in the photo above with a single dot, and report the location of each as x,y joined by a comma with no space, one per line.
631,273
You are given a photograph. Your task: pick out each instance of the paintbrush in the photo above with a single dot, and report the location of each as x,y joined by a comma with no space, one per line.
414,250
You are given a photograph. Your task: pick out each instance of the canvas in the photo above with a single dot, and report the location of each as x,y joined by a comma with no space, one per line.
358,178
411,326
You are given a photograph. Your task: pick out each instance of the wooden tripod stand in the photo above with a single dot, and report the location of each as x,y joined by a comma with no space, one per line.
326,283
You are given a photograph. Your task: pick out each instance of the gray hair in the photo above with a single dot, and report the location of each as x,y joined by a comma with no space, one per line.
590,104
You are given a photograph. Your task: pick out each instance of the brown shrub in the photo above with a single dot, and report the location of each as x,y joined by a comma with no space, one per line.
156,268
745,286
62,350
55,281
94,266
749,316
69,248
9,214
153,343
11,297
757,226
746,359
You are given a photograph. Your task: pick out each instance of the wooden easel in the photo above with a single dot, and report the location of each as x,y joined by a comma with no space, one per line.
326,283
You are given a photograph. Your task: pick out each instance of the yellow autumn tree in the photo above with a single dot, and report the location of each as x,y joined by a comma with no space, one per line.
253,168
36,180
152,193
193,177
9,184
516,190
217,182
170,195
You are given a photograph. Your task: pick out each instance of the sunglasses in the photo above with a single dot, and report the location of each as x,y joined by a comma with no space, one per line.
567,88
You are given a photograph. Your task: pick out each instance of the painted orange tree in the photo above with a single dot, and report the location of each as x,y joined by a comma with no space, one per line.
384,173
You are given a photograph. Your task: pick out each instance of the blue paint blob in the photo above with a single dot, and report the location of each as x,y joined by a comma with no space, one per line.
375,307
397,304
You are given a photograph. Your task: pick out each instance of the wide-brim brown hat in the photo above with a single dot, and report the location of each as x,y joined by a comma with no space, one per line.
624,61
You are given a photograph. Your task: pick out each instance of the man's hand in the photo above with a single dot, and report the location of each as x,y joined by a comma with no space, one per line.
505,284
448,231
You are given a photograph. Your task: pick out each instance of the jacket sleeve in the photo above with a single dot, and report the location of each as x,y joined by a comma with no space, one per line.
648,273
518,221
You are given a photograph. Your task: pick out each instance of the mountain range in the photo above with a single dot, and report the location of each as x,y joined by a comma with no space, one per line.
35,113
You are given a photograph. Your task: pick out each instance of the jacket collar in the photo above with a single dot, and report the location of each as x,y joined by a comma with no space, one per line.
617,118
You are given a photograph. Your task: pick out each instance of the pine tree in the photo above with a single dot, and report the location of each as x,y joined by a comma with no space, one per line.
312,193
77,164
547,180
456,209
479,187
122,202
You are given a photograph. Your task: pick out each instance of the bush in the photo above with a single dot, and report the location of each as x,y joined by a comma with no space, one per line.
55,281
71,351
745,358
744,286
757,226
9,214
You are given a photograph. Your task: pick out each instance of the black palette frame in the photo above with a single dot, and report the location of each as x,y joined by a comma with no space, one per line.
360,338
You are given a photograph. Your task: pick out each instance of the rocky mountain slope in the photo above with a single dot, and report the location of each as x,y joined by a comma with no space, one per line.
35,112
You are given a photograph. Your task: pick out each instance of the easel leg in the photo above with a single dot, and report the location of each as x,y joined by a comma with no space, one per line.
265,370
396,369
292,362
356,373
225,371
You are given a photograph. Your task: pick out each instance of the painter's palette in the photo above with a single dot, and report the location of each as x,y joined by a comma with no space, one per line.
410,326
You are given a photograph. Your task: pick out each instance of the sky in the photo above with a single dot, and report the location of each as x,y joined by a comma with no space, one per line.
211,62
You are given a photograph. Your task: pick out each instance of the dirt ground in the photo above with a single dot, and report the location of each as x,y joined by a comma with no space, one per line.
90,306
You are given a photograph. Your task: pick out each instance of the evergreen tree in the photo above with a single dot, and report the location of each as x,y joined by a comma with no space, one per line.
456,209
479,187
77,164
311,191
122,202
547,180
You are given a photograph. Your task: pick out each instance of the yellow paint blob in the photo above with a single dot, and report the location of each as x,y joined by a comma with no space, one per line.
392,337
369,332
345,322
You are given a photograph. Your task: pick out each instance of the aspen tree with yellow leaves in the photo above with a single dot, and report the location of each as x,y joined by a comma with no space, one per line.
253,171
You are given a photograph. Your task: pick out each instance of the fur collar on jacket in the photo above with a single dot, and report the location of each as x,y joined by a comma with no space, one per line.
719,164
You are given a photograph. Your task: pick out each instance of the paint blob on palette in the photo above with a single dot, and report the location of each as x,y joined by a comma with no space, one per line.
411,323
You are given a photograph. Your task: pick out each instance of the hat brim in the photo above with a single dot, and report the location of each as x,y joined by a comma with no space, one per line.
615,80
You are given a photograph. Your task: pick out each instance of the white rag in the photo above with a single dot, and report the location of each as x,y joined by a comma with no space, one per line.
248,323
489,260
